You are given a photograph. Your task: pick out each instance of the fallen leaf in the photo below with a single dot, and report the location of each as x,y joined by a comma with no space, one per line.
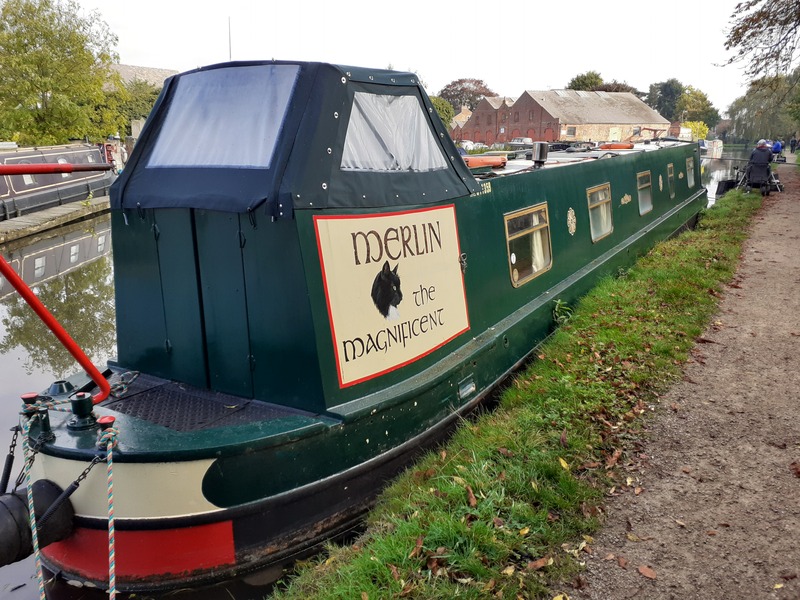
498,522
795,468
633,537
561,597
638,491
505,452
443,454
711,532
788,575
647,572
777,586
622,562
686,470
524,531
417,548
563,440
395,572
680,523
609,556
473,502
613,458
364,596
564,464
509,570
535,565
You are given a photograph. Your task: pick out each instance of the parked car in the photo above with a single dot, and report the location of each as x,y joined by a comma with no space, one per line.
521,142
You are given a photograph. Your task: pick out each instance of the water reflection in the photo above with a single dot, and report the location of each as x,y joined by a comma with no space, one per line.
71,273
713,171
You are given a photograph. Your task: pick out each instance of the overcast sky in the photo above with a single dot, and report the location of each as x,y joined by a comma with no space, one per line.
512,46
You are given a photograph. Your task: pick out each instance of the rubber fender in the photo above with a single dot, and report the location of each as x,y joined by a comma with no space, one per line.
15,529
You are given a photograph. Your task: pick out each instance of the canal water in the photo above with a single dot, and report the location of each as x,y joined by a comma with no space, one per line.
71,272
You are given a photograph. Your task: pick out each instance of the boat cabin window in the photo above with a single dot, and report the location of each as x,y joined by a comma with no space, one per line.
671,179
600,211
645,185
74,253
20,182
528,236
63,161
39,266
690,172
225,117
390,133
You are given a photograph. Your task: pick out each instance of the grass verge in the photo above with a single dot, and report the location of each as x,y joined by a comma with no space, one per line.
506,508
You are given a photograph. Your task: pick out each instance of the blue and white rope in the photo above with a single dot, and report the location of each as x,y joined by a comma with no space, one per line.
26,427
108,440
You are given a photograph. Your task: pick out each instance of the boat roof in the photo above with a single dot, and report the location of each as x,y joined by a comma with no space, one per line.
287,135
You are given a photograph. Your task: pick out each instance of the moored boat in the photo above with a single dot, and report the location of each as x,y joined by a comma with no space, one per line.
23,190
311,288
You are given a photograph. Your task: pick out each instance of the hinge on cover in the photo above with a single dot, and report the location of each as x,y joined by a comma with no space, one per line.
167,345
156,231
242,239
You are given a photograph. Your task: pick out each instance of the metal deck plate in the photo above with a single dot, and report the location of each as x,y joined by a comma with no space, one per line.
181,407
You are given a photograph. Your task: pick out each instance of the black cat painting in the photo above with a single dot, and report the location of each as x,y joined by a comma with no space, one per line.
386,292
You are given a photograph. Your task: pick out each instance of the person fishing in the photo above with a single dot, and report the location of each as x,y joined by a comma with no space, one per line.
758,168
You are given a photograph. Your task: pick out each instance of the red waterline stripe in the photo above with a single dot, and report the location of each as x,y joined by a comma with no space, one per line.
144,554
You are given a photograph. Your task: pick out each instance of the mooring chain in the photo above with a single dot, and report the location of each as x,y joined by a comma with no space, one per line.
9,464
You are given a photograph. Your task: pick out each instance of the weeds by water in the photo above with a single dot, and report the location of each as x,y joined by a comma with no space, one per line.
506,509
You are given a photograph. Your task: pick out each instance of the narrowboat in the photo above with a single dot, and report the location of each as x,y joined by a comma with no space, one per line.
23,192
311,289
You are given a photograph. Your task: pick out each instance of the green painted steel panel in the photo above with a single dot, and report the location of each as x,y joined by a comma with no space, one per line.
141,331
224,302
176,254
286,370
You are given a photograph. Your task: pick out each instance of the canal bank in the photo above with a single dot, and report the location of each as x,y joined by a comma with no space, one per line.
713,510
51,218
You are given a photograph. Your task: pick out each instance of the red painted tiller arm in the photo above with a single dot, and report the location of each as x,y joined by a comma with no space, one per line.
43,168
27,294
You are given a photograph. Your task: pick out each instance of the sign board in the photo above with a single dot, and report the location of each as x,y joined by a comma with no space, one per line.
393,286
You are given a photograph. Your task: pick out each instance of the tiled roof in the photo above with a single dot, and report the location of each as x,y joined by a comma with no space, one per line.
152,76
579,107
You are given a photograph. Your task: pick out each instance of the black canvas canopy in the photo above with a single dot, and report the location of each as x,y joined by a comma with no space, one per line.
287,135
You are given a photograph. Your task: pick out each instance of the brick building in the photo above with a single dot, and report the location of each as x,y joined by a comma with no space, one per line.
563,115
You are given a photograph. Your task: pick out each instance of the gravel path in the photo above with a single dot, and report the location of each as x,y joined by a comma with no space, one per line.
717,515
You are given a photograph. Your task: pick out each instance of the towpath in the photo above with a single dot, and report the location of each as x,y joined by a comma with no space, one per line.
717,515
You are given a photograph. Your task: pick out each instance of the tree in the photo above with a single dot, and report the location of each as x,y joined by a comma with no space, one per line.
664,97
55,64
138,101
694,105
616,86
588,81
465,92
756,114
698,128
767,34
444,109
